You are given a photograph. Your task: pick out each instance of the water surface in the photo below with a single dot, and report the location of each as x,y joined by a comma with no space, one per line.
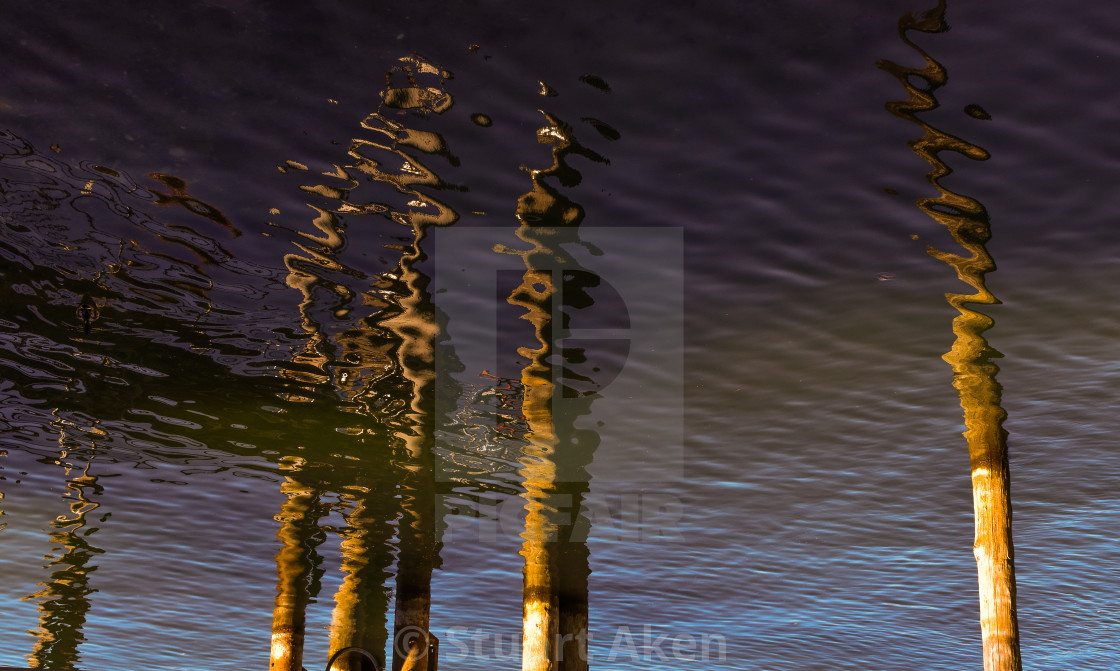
782,472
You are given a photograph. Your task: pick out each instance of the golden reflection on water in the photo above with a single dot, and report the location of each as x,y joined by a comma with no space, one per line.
361,603
413,437
556,454
63,601
360,355
298,524
371,340
384,366
971,357
88,238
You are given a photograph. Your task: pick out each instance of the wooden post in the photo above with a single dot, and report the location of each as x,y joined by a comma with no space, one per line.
361,604
293,568
974,378
974,373
540,606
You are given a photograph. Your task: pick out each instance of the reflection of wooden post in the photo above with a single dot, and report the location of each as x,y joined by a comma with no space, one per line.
974,374
553,467
540,604
293,568
417,330
540,601
65,597
399,369
572,573
416,558
554,598
358,619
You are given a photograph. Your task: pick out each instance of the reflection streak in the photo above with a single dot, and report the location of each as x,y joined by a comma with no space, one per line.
64,600
556,454
384,367
971,357
298,536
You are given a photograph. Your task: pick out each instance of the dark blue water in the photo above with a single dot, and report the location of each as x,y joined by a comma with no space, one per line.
780,481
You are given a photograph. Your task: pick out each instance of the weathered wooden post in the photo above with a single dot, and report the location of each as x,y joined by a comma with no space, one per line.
540,603
298,517
974,378
361,604
974,372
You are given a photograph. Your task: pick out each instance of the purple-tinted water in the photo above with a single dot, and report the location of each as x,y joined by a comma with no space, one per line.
780,481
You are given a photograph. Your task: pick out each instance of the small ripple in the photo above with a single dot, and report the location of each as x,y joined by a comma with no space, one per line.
187,424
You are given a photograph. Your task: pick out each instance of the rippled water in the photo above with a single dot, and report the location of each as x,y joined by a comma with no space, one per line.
284,222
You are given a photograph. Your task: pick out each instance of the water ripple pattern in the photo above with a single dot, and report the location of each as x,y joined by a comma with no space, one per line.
223,287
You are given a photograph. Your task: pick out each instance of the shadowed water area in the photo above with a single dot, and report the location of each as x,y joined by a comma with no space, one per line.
332,325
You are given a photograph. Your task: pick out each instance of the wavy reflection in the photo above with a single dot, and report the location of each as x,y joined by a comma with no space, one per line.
299,535
64,600
96,227
556,454
413,439
348,345
114,293
971,357
372,336
362,602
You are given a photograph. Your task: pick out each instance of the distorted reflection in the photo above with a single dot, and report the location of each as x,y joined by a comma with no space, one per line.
362,602
90,230
83,256
974,371
374,338
180,198
376,345
299,534
358,376
556,453
63,601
